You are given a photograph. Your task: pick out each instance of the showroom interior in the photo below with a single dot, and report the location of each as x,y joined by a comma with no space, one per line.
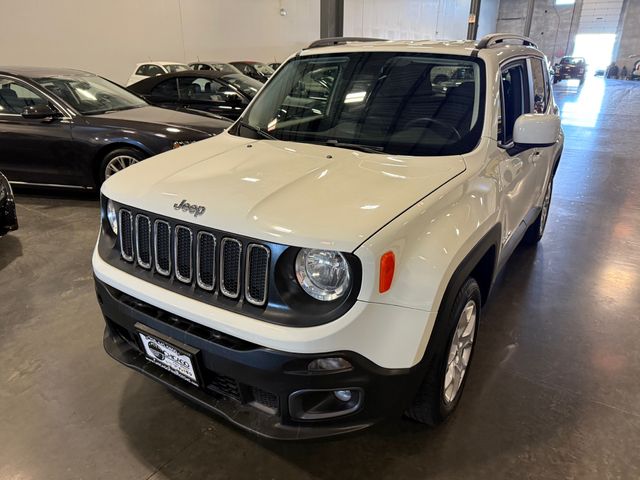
271,373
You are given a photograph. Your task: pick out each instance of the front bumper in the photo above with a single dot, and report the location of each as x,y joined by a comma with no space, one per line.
248,384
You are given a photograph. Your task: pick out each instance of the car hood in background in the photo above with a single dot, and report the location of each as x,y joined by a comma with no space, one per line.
162,118
290,193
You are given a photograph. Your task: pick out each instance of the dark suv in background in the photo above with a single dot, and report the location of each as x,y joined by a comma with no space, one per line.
568,68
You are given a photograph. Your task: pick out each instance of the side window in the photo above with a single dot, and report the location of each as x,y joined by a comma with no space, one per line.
15,96
154,70
142,70
167,89
198,88
204,67
514,99
540,86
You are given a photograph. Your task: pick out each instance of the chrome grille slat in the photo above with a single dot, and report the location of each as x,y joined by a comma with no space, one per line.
183,253
206,260
162,247
230,267
256,274
143,241
125,228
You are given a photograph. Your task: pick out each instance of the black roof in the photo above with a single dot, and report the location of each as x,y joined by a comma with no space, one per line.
37,72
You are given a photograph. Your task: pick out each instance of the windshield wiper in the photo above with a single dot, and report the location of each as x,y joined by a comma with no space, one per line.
257,130
355,146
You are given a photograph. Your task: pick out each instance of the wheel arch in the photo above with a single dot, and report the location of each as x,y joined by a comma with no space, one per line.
110,147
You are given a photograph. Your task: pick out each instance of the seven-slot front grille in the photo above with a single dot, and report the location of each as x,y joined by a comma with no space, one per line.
214,262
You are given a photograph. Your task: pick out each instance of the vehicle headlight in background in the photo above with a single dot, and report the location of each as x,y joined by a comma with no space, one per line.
323,274
178,144
112,216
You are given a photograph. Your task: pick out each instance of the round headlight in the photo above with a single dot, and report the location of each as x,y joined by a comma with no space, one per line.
112,216
323,274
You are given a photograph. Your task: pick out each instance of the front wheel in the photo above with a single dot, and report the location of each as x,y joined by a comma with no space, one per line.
536,230
442,387
116,161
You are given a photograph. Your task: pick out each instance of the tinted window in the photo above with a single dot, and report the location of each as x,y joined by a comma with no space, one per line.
15,96
166,89
540,87
203,89
142,70
379,100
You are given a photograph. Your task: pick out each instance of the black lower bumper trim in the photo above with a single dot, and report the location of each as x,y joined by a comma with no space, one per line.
248,384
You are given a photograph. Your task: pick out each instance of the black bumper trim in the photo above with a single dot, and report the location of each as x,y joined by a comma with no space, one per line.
388,391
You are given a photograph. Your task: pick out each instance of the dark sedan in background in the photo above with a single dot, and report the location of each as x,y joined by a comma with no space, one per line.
210,91
8,218
256,70
72,128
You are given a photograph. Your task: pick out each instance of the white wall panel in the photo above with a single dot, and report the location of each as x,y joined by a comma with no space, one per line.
109,37
407,19
600,16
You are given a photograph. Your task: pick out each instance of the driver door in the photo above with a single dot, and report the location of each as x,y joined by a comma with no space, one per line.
34,150
518,167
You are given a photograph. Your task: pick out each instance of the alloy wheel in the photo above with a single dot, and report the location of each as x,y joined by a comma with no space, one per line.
118,163
460,351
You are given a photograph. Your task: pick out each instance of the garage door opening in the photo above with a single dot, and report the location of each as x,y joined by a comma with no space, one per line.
596,48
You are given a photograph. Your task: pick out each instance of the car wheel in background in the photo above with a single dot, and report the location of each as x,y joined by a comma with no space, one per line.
117,160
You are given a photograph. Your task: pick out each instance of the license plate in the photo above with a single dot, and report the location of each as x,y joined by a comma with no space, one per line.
169,357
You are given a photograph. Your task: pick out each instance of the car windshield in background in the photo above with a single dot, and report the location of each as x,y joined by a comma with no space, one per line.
405,104
264,69
90,94
176,68
246,85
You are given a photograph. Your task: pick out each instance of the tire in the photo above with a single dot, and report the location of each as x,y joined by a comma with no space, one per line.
435,401
120,157
555,79
534,233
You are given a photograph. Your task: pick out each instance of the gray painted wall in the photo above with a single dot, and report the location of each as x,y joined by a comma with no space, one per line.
629,42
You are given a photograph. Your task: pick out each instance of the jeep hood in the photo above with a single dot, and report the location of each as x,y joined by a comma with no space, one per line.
290,193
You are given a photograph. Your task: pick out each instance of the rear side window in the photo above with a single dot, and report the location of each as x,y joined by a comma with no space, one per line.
540,86
153,70
142,70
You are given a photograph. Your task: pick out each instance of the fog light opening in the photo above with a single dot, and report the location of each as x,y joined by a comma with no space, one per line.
317,405
331,364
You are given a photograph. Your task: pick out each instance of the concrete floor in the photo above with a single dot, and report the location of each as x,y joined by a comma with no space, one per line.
554,391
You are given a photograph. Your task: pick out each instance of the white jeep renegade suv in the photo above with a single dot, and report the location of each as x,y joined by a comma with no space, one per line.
324,262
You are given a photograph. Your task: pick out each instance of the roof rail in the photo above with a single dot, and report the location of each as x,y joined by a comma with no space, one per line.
496,38
327,42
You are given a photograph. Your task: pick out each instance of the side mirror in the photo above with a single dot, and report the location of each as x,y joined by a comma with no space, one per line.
39,112
536,129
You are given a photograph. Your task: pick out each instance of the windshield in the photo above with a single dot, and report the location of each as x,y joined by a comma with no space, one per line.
90,94
263,69
406,104
246,85
176,68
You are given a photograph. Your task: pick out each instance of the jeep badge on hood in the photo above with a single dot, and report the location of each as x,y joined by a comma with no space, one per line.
195,210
